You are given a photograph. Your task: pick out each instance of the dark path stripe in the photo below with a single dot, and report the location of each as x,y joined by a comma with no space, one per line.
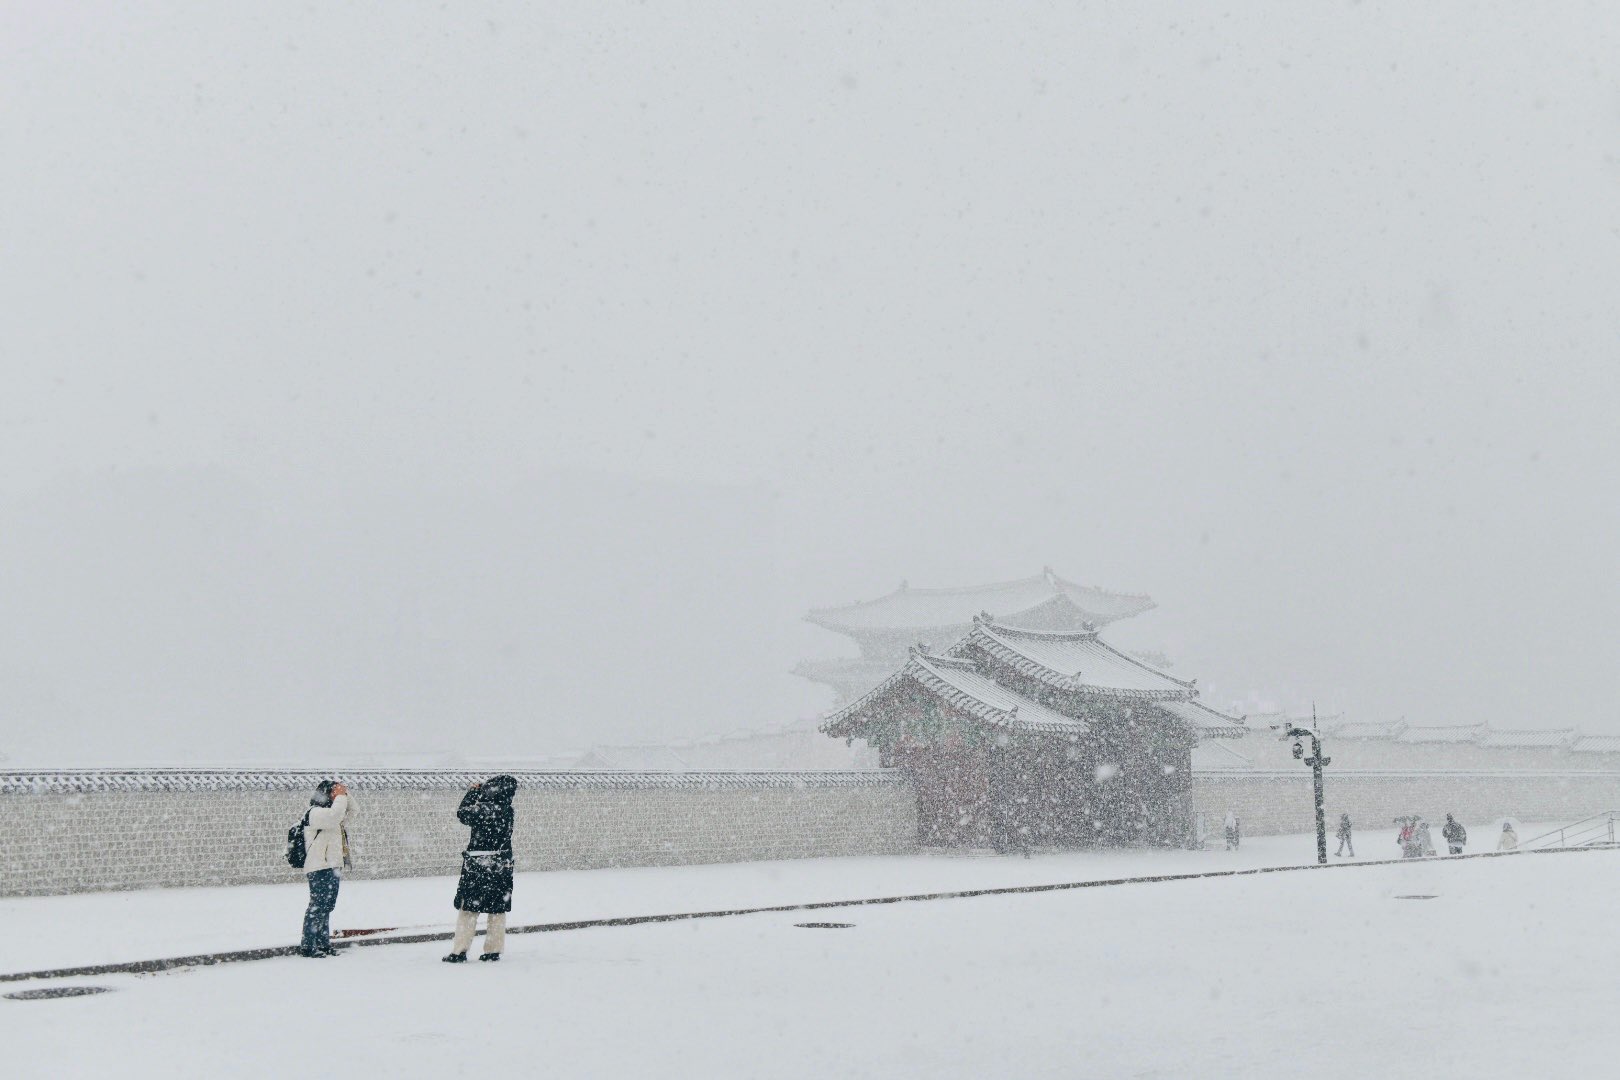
141,967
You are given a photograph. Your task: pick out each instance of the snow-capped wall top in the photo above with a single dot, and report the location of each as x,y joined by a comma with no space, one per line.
1525,738
1455,733
205,780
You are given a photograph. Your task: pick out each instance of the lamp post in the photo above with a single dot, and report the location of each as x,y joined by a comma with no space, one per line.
1316,761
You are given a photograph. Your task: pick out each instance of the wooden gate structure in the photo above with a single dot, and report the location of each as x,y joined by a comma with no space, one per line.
1016,737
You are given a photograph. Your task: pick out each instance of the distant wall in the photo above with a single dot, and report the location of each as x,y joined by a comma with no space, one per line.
1281,802
71,832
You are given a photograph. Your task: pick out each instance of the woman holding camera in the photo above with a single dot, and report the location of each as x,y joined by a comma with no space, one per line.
326,847
486,867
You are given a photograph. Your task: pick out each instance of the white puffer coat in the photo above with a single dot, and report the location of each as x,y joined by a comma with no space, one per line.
326,840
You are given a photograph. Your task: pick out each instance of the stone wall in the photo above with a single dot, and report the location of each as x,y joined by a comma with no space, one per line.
1281,802
70,832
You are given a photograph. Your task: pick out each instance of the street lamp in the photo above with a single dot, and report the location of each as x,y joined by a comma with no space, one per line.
1316,761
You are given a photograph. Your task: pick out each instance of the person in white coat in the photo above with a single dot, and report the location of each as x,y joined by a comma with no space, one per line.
326,856
1233,830
1509,840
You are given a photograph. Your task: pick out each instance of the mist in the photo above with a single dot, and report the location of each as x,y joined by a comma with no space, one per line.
505,379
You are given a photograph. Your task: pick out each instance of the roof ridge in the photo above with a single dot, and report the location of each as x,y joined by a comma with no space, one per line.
984,618
994,629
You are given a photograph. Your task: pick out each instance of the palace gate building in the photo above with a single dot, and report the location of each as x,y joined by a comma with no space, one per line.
1015,736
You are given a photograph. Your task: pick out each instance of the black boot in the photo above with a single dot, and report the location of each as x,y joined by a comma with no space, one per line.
456,958
488,956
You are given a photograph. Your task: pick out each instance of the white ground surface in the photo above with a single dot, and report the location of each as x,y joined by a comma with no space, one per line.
1508,971
66,931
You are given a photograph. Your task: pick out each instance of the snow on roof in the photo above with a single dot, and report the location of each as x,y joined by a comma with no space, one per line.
1595,744
1324,725
1075,660
1207,722
1525,738
1353,730
961,684
1452,733
919,609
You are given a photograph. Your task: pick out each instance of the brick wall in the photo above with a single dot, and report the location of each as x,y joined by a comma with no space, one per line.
1281,802
62,832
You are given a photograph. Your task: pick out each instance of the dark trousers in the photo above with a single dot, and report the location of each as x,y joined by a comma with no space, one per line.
323,890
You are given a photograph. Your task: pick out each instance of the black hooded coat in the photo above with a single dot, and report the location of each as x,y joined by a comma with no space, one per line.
486,865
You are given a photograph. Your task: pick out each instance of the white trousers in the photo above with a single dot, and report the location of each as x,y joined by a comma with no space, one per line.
467,926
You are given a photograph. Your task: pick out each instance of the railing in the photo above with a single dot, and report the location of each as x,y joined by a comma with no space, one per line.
1597,829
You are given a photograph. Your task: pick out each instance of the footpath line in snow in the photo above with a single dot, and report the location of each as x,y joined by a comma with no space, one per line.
144,967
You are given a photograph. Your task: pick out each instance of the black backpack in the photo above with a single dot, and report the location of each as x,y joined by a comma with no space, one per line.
295,844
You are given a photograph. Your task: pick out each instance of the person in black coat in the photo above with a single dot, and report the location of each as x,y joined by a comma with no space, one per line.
1455,835
486,867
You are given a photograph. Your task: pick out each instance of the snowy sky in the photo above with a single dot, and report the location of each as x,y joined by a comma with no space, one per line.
509,377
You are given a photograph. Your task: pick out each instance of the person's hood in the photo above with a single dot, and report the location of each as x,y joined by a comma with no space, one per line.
500,788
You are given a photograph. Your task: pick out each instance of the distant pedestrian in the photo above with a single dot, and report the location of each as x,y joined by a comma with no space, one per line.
1407,838
486,867
1456,836
326,856
1234,831
1344,835
1509,840
1425,840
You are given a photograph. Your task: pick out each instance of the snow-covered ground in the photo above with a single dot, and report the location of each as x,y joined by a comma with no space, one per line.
67,931
1506,971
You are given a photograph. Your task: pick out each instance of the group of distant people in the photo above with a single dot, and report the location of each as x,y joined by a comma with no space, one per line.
1414,837
485,886
1416,842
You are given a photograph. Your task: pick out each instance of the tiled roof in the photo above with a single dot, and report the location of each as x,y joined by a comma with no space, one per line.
1369,731
1454,733
1325,725
1207,722
1073,660
920,609
184,780
1525,738
962,685
1596,744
